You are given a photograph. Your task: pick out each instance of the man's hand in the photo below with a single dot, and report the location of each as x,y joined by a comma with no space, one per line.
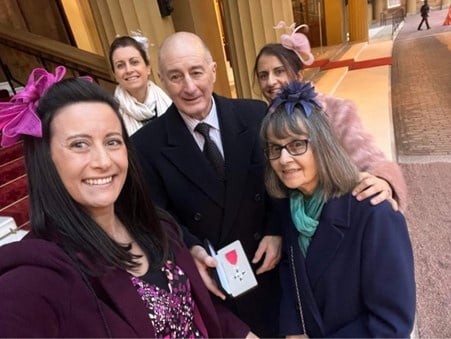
252,335
203,262
370,185
271,247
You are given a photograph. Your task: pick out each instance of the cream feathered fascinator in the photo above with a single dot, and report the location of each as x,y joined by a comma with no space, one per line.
297,42
140,39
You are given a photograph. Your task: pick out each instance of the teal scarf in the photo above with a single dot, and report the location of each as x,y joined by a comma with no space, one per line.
305,214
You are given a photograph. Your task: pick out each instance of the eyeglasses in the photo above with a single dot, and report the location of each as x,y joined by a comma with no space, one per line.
295,147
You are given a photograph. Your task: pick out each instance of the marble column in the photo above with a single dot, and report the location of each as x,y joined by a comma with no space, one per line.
203,18
118,17
249,26
411,6
379,6
358,20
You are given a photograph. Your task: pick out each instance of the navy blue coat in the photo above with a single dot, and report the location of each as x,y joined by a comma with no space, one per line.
357,279
183,182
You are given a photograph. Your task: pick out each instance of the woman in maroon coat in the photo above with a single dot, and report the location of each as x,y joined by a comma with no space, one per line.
100,260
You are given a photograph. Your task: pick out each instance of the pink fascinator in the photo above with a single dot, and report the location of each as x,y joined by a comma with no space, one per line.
297,42
18,116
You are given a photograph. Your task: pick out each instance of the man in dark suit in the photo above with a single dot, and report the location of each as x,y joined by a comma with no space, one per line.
424,11
221,203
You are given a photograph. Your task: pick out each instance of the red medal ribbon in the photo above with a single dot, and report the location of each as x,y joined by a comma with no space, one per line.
232,257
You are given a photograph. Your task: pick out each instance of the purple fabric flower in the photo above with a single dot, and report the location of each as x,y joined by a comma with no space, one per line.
18,116
296,93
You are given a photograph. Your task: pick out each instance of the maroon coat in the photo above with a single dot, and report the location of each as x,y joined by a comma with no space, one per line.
42,294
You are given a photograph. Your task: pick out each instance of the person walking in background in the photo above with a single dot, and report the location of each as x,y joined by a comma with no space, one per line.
448,17
141,100
424,12
278,64
100,259
347,267
221,203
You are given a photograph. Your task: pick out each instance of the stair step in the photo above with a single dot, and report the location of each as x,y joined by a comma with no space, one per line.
19,210
12,191
11,153
11,170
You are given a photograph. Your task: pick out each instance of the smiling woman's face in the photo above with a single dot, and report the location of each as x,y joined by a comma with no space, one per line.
89,153
130,69
272,75
295,171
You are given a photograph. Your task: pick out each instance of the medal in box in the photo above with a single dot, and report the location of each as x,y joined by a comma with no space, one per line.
234,273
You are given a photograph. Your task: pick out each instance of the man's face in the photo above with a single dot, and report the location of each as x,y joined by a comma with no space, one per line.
188,77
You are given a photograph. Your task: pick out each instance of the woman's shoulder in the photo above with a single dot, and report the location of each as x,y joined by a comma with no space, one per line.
337,107
32,252
38,267
347,205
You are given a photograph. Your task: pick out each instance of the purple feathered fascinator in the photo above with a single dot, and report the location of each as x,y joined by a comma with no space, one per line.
296,93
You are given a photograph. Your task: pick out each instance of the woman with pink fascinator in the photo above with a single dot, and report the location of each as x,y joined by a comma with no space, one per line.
279,63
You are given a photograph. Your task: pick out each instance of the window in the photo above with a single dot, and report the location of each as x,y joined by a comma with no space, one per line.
393,3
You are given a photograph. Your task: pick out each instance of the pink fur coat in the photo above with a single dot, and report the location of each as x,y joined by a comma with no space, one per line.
359,144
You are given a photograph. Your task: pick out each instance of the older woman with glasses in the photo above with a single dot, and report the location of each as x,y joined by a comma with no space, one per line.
347,265
278,64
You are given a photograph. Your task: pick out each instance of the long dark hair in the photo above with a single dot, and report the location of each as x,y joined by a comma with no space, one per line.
55,216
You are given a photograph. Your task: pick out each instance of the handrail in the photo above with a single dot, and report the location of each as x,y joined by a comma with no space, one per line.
397,17
52,51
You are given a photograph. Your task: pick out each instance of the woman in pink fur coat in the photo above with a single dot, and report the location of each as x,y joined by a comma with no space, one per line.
277,64
448,17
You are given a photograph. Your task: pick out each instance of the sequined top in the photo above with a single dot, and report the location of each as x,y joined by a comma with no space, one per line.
167,296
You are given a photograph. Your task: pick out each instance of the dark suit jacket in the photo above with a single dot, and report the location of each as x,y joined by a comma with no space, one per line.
42,294
183,182
357,279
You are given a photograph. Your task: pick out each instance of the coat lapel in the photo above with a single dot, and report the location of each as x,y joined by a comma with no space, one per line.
117,287
305,287
238,143
328,237
182,151
208,322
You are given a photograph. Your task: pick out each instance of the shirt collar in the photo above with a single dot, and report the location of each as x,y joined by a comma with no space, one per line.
211,118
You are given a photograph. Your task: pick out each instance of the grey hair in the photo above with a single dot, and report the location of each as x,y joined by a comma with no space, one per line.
337,173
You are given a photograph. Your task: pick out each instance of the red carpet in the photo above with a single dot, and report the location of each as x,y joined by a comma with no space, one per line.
11,170
371,63
13,184
13,191
11,153
337,64
326,64
318,63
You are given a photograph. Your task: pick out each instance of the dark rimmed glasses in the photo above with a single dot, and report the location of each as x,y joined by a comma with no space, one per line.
295,147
